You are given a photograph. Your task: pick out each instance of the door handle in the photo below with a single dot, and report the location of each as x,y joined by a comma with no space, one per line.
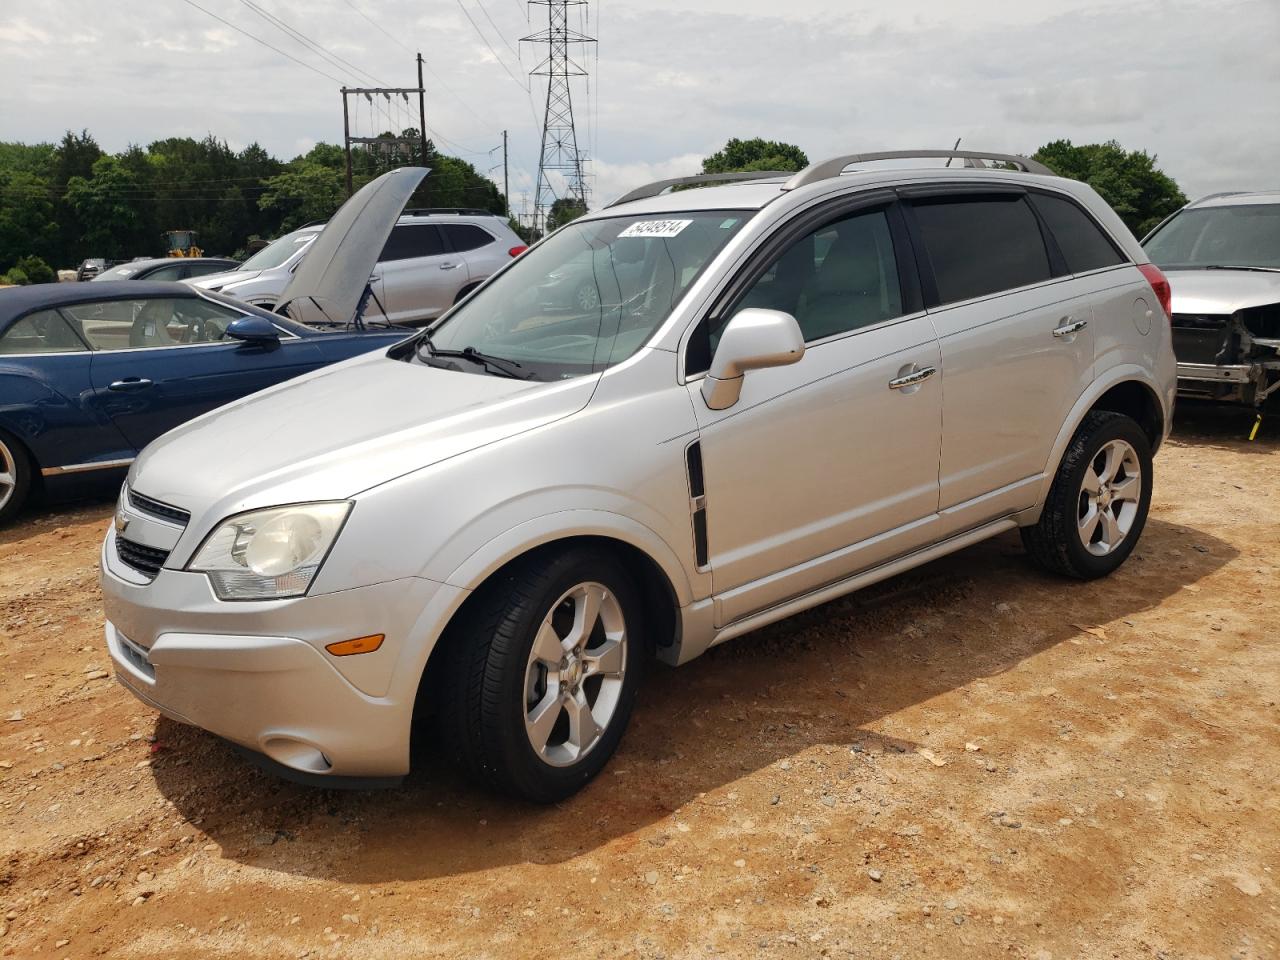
130,383
450,266
1068,327
375,278
913,378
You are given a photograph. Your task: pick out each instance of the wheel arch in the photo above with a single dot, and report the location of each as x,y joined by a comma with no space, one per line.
1125,389
659,594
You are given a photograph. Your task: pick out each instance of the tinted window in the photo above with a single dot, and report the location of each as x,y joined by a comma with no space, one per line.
838,278
1083,244
981,246
465,237
172,271
41,332
201,269
411,240
155,322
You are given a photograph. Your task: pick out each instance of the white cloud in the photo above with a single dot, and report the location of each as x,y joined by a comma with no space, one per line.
1194,81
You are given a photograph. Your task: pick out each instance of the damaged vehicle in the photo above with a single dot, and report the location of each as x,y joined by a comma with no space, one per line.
1222,257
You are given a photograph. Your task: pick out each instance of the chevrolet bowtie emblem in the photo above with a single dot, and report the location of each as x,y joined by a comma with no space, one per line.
122,523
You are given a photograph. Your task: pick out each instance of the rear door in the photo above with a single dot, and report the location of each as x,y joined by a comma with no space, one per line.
419,278
1017,346
482,252
161,361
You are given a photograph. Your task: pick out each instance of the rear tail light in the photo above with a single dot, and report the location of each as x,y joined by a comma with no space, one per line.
516,251
1160,286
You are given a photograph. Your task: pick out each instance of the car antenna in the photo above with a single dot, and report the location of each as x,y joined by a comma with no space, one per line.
955,146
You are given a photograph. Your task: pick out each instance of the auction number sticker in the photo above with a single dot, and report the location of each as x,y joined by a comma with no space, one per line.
655,228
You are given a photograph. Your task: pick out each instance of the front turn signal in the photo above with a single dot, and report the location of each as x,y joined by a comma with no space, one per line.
348,648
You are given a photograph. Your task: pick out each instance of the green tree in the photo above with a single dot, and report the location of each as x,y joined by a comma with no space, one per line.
37,270
305,191
105,207
27,223
1129,181
564,210
755,154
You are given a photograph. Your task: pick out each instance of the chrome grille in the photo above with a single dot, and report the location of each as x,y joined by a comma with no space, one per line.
146,560
157,509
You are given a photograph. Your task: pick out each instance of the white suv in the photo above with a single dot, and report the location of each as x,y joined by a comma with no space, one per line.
433,258
785,390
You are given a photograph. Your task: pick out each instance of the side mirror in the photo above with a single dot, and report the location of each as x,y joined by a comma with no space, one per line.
258,331
753,340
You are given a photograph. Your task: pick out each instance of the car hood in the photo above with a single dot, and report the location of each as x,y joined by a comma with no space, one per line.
221,280
336,269
333,433
1221,291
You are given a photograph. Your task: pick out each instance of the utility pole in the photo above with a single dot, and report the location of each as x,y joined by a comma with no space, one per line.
399,142
422,131
506,180
559,138
346,137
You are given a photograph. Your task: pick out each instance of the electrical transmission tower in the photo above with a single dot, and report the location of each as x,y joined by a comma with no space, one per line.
560,152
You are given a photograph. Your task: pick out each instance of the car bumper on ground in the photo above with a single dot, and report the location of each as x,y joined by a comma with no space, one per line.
257,674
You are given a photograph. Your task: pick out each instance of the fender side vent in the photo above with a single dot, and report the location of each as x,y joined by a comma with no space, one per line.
697,501
700,536
693,461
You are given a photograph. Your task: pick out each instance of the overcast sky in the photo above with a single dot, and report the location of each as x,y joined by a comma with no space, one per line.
1197,83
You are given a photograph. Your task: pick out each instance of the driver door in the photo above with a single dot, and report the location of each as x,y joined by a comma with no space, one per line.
161,361
828,466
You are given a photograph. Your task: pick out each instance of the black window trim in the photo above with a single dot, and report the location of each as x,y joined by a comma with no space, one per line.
285,334
928,282
761,258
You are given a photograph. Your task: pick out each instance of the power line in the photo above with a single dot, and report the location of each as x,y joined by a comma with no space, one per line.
485,11
333,58
378,26
502,63
256,39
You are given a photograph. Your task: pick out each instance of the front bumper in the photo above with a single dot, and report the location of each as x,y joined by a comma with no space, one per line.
257,674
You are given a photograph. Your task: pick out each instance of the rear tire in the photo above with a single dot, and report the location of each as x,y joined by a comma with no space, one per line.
464,293
540,674
1098,503
16,476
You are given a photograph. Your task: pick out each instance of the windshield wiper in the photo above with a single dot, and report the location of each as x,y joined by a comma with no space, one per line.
1232,266
499,365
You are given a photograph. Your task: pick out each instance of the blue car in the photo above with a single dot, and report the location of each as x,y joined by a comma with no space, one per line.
92,373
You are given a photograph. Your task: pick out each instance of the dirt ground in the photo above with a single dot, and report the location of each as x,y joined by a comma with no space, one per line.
971,760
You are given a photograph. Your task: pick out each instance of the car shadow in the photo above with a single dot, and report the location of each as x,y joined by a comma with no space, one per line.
821,677
1203,423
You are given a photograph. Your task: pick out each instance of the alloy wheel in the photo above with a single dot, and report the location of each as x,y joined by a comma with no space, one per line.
8,474
588,296
574,677
1110,496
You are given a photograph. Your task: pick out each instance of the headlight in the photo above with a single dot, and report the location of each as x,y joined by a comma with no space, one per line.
270,554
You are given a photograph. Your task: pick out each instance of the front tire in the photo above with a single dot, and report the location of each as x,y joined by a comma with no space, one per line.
1098,503
16,473
540,673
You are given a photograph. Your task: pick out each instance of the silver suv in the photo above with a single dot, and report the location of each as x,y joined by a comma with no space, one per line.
785,389
1222,254
432,259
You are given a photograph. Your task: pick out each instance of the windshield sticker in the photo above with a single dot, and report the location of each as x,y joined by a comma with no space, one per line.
655,228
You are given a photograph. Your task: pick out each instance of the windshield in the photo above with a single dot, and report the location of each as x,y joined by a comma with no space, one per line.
122,272
586,298
278,251
1247,235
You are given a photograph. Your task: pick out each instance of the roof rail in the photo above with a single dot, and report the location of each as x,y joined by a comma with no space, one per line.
455,211
835,166
662,186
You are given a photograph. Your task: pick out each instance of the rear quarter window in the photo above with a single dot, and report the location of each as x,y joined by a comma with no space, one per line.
465,236
1083,243
981,245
